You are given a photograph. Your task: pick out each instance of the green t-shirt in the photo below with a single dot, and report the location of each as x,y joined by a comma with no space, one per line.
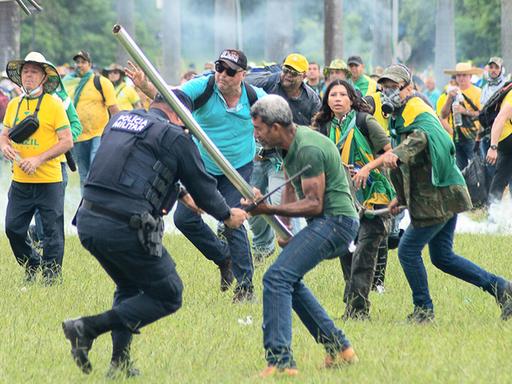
315,149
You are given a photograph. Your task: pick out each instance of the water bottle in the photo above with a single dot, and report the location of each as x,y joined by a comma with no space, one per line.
457,116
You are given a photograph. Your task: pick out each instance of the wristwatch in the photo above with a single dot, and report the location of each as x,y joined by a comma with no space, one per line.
493,147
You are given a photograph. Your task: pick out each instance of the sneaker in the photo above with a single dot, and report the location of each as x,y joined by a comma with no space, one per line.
260,254
74,330
121,369
421,315
505,302
243,295
273,370
226,275
346,357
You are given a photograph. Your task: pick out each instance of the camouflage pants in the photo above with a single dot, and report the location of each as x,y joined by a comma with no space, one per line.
359,267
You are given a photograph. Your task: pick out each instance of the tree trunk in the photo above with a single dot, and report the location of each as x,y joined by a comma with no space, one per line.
333,30
445,40
225,25
278,30
506,33
9,32
382,52
125,12
171,31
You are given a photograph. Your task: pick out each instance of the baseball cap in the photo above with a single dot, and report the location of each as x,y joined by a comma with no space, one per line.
234,58
496,60
297,62
84,55
396,73
355,60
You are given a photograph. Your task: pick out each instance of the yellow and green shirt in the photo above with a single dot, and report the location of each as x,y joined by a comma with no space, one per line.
52,118
127,96
91,109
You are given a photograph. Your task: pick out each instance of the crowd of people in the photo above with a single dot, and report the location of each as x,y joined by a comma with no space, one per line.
367,146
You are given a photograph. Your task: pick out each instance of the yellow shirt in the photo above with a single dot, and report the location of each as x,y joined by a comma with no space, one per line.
92,111
472,93
507,128
52,118
127,97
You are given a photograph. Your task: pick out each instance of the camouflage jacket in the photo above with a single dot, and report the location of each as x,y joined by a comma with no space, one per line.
428,205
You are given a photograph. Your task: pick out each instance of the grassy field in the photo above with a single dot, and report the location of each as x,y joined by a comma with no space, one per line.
204,342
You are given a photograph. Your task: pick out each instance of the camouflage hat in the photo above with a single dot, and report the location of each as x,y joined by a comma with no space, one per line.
396,73
337,64
113,67
14,68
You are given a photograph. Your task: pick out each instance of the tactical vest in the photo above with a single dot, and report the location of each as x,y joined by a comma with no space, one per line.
127,163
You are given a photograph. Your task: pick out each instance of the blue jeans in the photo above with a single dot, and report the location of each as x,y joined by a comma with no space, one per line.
84,152
464,152
266,177
283,289
205,240
439,238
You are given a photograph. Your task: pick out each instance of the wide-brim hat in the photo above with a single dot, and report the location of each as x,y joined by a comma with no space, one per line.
14,67
337,64
113,67
464,69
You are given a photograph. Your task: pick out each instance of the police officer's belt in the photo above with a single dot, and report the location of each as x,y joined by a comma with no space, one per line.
106,211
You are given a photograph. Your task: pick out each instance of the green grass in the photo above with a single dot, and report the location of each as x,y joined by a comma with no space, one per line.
204,343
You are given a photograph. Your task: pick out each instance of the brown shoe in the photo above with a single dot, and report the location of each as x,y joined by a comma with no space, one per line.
226,275
345,357
273,371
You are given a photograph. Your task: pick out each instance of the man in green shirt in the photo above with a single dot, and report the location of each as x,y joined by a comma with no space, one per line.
323,198
365,84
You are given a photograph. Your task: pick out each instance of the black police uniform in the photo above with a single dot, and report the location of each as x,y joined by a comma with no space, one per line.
141,158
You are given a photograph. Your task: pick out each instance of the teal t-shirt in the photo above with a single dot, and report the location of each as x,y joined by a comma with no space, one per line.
230,129
315,149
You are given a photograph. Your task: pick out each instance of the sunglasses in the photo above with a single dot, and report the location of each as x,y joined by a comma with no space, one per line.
290,72
219,67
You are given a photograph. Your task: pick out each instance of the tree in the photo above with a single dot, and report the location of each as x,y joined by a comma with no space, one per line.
333,30
506,32
125,10
225,24
445,40
9,32
171,28
278,29
382,40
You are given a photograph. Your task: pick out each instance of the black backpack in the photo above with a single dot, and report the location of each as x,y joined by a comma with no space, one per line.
203,98
477,180
492,107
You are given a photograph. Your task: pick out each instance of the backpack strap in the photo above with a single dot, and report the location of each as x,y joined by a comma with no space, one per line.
471,104
97,85
361,124
205,96
251,94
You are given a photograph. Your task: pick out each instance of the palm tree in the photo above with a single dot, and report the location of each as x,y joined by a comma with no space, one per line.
445,40
9,32
333,30
171,41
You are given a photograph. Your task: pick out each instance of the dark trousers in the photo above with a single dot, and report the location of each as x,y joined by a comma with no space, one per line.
359,267
147,287
24,199
205,240
502,176
464,151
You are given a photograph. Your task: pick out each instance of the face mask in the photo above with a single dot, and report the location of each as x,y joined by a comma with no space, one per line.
33,92
391,100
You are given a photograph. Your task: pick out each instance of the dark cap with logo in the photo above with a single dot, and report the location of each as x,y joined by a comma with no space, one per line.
234,58
355,60
84,55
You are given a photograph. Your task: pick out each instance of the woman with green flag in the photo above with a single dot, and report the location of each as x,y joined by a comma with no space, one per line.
344,118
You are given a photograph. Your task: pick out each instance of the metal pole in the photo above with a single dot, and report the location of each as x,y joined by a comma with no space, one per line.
186,116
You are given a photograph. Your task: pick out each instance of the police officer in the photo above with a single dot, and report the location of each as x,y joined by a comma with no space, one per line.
132,181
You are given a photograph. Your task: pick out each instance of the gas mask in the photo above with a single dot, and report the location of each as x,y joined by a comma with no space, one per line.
391,101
